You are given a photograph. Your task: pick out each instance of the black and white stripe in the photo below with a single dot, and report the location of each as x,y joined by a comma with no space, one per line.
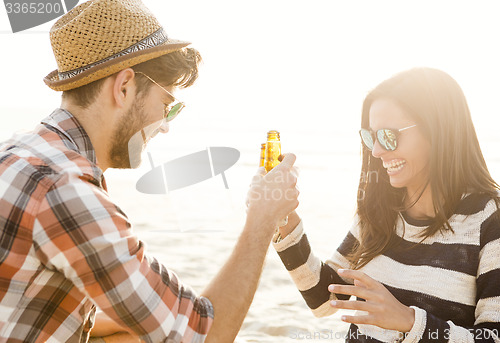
453,278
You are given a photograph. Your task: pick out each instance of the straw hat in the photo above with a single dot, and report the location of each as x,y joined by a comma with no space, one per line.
101,37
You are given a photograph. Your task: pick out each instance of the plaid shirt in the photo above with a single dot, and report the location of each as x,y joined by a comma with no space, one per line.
66,247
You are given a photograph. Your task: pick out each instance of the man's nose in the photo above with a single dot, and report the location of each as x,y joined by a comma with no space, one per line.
164,127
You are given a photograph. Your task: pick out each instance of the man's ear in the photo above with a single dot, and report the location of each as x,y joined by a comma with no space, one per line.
123,87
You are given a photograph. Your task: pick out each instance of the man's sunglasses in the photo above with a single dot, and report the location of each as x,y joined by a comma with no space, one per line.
170,111
388,138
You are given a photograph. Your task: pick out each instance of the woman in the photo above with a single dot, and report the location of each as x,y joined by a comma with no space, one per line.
423,254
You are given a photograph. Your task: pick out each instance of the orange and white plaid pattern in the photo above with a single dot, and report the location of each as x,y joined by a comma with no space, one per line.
65,247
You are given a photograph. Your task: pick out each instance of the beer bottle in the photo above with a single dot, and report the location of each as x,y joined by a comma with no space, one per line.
262,155
273,150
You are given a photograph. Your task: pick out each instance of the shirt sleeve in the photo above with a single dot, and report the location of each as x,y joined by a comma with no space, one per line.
486,328
311,276
82,234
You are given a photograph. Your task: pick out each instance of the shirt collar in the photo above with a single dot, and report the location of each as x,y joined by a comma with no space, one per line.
67,125
64,122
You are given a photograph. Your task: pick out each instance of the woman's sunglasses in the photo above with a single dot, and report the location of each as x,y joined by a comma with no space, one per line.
388,138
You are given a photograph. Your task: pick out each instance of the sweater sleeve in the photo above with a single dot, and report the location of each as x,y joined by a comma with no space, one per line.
311,276
486,328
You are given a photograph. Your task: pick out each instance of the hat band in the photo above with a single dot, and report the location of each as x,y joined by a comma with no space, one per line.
155,39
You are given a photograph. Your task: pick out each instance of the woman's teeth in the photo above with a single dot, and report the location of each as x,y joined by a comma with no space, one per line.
394,166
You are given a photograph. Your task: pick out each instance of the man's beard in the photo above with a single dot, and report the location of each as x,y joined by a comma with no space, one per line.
127,142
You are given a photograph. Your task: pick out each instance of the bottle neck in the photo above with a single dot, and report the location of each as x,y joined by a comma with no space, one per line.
273,135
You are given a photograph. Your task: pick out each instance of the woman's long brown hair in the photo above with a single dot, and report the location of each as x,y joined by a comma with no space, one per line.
436,103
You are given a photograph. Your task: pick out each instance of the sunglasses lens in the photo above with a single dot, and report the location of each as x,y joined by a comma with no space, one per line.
387,138
367,138
174,111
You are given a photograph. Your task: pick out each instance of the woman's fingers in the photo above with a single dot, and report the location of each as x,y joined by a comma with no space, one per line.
358,275
354,305
360,292
366,319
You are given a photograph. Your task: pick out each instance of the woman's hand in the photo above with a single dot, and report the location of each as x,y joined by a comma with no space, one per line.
293,221
383,309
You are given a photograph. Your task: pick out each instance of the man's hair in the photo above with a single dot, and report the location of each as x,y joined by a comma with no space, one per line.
178,68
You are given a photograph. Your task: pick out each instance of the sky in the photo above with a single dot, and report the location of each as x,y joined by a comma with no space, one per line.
300,67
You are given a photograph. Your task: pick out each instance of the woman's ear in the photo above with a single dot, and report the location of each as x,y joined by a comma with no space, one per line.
123,87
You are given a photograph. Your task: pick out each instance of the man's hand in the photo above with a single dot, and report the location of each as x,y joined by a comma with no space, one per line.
273,196
108,330
120,337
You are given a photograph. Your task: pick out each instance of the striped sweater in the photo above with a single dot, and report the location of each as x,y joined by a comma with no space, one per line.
452,280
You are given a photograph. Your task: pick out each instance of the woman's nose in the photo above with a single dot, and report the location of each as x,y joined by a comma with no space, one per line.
377,150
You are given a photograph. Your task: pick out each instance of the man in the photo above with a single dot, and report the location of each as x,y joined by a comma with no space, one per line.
64,245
